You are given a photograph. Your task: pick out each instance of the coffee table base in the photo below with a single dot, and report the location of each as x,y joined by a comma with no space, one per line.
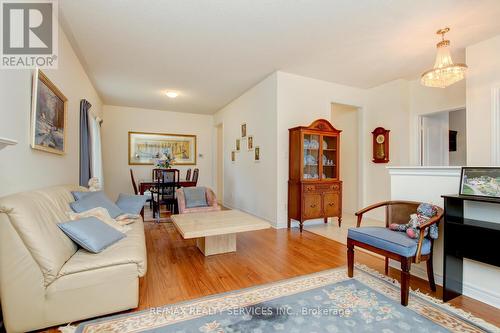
217,244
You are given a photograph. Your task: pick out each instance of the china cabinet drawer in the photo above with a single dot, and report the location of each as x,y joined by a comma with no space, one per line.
320,188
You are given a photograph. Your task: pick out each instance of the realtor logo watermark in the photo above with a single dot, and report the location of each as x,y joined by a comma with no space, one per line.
29,34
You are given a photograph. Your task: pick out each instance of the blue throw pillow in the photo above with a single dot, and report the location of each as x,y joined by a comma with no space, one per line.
91,233
131,203
80,195
195,197
96,199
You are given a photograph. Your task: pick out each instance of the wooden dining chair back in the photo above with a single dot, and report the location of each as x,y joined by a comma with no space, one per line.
188,174
167,181
196,173
393,244
134,184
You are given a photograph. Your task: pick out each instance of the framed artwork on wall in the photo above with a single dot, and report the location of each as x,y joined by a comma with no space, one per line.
480,181
243,130
238,144
250,143
48,115
257,154
233,156
144,148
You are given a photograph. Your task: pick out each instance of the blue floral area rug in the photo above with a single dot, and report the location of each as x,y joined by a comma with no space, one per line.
327,301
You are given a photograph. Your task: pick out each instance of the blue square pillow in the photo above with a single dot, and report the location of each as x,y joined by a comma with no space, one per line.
91,233
80,194
195,197
130,203
96,199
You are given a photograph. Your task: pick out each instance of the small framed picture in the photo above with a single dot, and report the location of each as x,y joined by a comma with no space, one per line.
233,156
238,144
480,181
244,130
250,142
257,154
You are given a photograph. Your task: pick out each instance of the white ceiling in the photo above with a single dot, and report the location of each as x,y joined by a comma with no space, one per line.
212,51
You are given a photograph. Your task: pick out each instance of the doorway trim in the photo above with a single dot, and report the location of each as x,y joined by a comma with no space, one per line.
217,161
495,126
419,125
361,149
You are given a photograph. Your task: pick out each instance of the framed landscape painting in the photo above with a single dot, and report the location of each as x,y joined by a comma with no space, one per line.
480,181
48,115
146,148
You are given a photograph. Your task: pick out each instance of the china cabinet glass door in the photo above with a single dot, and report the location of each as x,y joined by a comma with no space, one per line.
329,157
311,156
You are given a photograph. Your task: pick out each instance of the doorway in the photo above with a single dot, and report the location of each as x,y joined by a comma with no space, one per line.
443,138
347,118
219,175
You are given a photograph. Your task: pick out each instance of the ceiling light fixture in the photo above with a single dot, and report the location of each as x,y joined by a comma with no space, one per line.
445,72
171,94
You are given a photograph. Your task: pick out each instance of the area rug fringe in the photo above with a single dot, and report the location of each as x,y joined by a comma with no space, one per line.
448,307
67,329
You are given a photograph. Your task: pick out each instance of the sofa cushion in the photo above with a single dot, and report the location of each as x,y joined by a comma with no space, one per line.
195,197
91,233
35,216
130,203
96,199
386,239
129,250
80,194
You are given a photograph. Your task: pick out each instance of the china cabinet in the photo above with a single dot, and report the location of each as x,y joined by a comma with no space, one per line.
314,187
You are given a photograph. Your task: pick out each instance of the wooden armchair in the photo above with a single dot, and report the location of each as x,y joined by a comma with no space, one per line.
392,244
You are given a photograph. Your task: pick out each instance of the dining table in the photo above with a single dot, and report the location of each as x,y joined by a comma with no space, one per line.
145,185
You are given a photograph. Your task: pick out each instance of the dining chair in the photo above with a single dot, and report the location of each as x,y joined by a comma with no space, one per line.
167,181
188,174
196,173
394,244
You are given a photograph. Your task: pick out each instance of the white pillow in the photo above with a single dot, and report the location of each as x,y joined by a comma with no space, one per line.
125,219
101,214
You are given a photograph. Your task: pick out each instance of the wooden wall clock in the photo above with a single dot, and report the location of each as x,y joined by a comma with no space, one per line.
380,145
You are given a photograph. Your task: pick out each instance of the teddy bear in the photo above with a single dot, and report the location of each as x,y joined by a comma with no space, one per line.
424,213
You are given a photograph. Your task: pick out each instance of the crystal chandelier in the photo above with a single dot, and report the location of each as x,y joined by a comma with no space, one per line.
445,72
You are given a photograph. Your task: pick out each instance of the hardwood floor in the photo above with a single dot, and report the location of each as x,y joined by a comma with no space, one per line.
178,271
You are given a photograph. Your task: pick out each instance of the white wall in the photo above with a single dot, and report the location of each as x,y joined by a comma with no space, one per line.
22,168
347,118
118,121
248,185
388,107
483,76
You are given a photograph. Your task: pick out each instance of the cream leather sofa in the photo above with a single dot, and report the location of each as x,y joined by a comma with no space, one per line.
46,280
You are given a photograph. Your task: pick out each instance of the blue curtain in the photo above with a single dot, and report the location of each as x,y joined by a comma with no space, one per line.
85,160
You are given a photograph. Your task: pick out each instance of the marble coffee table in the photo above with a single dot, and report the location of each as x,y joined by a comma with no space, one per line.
215,232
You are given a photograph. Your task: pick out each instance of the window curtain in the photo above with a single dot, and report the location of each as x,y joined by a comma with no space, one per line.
85,158
96,153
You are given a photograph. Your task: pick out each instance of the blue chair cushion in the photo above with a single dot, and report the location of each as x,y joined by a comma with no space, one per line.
131,203
91,233
386,239
195,197
94,200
